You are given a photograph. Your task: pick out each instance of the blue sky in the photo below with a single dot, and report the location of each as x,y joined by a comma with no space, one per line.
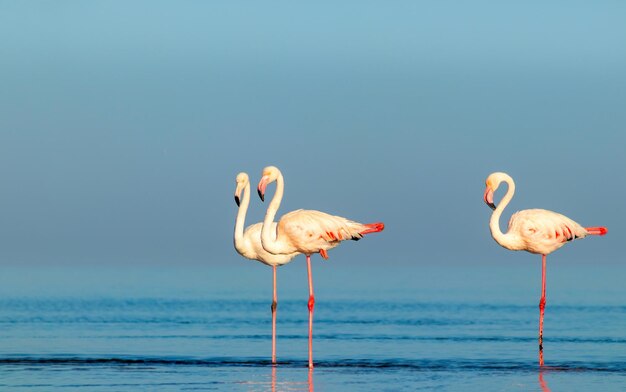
124,124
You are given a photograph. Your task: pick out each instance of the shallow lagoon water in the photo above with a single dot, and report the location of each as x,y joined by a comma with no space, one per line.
451,327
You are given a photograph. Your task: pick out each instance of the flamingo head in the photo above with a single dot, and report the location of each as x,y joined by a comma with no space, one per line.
270,174
242,180
492,182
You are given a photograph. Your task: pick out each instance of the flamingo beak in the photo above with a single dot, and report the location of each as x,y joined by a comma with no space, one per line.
261,188
488,197
238,195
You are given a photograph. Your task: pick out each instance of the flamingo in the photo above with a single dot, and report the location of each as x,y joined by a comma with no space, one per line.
248,244
305,231
536,231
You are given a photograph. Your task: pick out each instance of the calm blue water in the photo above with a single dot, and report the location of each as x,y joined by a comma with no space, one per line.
398,328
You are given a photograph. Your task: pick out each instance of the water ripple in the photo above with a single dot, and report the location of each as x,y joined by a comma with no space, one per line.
487,365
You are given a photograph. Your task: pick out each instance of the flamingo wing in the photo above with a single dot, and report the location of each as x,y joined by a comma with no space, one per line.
544,231
311,231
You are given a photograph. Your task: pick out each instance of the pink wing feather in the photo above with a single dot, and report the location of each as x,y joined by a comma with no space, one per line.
311,231
544,231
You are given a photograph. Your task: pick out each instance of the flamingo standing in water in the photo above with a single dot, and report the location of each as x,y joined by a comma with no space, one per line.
535,231
305,231
248,244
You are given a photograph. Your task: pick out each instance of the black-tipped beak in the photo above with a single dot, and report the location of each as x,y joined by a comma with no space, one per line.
488,198
261,188
237,200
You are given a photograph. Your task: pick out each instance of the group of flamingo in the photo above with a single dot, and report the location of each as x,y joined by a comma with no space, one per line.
300,231
309,231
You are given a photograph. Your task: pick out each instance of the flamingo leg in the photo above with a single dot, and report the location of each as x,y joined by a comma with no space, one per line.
274,306
542,307
311,306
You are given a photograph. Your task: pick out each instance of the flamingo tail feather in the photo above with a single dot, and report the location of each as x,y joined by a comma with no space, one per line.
596,230
373,228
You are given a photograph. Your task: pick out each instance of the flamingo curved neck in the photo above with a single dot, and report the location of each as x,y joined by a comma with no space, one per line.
507,240
241,218
270,241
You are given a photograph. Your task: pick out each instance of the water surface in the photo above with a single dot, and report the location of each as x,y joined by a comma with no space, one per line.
412,328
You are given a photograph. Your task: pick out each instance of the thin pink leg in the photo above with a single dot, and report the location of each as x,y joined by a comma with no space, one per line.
542,307
274,305
311,306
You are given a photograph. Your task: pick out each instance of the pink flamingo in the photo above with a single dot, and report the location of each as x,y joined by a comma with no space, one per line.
535,231
248,244
305,231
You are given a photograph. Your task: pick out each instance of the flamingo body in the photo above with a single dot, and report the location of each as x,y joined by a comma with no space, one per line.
542,232
311,231
248,244
252,248
305,231
535,230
